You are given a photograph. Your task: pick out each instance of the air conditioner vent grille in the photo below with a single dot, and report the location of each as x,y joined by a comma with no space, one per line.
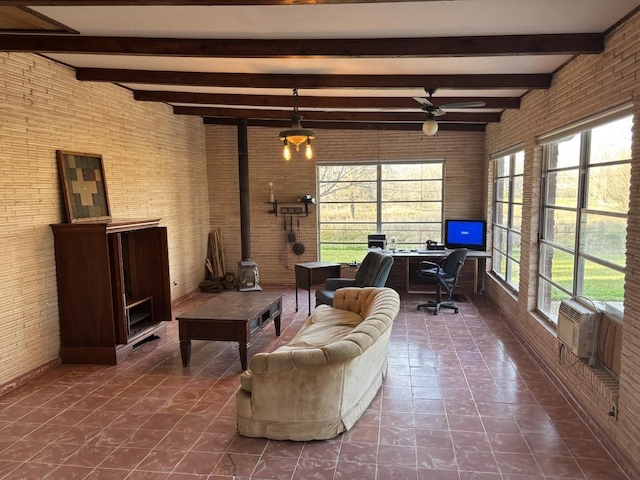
576,327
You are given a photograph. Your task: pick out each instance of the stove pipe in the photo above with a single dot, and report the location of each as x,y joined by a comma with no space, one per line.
248,274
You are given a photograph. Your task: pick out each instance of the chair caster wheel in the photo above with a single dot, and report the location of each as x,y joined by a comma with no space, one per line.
456,310
435,313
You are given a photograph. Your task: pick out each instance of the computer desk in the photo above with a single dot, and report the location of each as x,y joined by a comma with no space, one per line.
404,277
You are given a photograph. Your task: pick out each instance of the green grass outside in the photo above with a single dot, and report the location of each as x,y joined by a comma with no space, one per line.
601,283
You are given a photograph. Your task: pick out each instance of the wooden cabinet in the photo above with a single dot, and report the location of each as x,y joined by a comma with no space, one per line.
113,287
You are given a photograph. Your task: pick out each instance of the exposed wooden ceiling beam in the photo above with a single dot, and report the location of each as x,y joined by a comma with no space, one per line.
416,126
306,101
256,80
222,3
292,48
338,115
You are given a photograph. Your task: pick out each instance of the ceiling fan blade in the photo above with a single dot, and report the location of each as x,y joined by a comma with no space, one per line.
438,112
464,105
423,101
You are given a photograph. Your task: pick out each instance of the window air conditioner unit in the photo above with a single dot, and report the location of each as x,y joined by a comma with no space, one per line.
576,327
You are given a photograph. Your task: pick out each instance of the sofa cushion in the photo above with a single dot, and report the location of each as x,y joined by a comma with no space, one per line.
325,326
326,315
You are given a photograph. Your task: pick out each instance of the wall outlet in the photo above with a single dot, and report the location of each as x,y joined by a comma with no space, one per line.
613,412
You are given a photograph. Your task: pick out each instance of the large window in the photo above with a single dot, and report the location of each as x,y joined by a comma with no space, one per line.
507,217
399,199
585,201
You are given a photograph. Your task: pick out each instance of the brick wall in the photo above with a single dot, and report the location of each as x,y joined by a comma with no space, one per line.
154,165
464,184
588,85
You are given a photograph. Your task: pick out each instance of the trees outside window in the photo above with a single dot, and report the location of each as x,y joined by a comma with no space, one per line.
400,199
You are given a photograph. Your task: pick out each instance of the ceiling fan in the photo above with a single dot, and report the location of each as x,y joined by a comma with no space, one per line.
430,126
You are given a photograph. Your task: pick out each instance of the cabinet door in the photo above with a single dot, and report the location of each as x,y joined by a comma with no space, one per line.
118,288
85,300
149,268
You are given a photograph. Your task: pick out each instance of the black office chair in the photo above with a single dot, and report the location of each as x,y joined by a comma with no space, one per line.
373,272
444,275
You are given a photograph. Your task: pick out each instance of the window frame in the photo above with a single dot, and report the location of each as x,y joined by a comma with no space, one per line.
380,225
584,169
508,230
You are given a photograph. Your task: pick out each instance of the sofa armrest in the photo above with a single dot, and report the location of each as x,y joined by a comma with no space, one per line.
336,283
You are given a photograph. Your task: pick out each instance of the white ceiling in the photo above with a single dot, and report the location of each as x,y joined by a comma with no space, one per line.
343,20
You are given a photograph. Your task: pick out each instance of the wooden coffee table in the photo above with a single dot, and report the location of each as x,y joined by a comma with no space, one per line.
229,317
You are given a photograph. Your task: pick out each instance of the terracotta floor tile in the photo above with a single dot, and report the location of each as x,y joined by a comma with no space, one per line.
275,468
397,455
236,465
561,467
22,450
358,452
462,400
436,458
355,471
69,472
199,463
125,457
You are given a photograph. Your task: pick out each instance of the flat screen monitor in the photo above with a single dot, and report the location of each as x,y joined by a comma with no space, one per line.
469,234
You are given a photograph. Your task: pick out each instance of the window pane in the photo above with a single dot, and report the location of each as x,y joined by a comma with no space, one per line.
501,212
514,245
348,191
549,298
608,188
347,232
560,227
562,188
413,235
518,168
516,217
517,189
600,283
412,171
346,173
611,142
499,264
502,166
342,253
502,189
500,239
604,237
513,276
412,212
557,265
565,153
411,190
347,212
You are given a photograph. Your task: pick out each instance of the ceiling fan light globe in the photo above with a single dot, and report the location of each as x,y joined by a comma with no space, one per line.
430,127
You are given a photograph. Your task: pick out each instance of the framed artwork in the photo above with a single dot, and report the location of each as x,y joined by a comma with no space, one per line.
84,186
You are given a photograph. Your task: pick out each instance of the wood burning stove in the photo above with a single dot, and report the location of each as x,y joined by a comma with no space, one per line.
248,276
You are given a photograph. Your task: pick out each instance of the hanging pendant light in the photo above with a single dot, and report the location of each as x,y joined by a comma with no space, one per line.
296,135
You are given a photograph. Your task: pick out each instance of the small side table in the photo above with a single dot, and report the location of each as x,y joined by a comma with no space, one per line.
314,273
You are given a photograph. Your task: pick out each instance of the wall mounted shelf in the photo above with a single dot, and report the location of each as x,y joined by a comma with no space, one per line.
289,208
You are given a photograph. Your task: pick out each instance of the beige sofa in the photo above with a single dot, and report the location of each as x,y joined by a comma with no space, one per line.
321,382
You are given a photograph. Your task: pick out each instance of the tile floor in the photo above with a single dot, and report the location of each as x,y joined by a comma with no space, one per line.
462,400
